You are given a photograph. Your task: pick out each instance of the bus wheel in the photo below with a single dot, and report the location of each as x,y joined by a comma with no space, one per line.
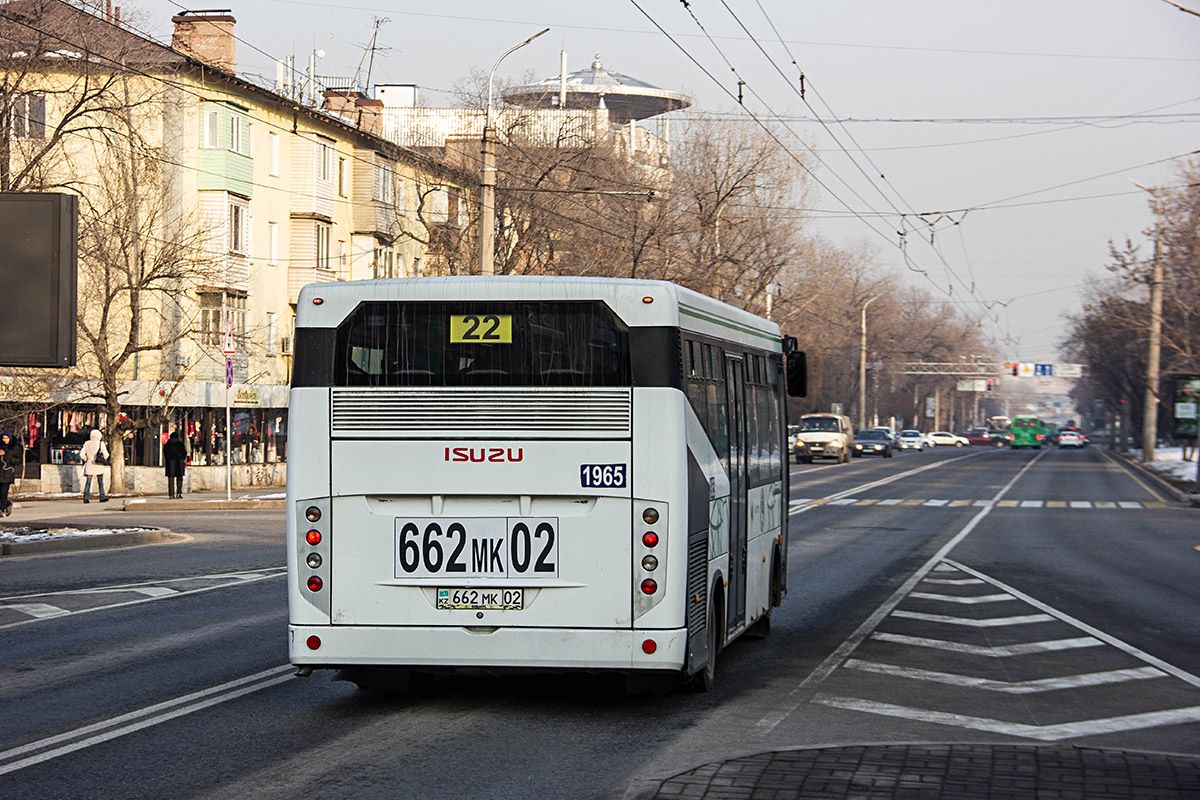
705,679
761,629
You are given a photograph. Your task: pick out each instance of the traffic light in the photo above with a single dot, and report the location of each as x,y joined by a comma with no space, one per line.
990,384
1015,368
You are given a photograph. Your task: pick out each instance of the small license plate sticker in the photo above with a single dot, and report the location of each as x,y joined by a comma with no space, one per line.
475,598
602,476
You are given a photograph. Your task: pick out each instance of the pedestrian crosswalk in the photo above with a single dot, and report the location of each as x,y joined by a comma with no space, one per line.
806,502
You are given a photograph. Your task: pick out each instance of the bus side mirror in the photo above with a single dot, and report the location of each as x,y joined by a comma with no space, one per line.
797,374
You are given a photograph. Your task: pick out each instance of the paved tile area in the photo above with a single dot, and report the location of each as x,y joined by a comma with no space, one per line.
941,772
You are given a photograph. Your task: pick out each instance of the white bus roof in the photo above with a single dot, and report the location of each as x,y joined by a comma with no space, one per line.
670,305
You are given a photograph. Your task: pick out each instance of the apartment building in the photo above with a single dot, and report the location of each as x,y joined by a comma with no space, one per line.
243,195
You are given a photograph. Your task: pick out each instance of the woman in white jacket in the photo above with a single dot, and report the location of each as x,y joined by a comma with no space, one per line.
93,446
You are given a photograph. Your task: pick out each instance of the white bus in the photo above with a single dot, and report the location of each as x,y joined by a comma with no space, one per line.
521,472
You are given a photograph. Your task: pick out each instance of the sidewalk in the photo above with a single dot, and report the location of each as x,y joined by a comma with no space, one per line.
46,507
935,772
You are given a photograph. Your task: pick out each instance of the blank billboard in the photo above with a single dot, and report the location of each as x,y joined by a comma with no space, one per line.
38,267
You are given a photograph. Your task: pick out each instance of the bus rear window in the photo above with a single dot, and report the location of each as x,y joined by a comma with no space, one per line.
1026,423
482,344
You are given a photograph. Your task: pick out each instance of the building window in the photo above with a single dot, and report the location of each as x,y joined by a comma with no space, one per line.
323,246
221,310
385,183
401,196
238,233
272,243
273,153
343,178
212,128
324,156
272,335
235,133
28,119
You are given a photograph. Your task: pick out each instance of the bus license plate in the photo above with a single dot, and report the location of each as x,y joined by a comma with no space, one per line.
448,549
481,599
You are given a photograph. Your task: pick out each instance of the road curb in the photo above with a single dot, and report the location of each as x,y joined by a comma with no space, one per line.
1136,466
72,543
200,505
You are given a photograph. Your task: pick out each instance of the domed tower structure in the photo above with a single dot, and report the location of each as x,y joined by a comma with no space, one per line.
626,99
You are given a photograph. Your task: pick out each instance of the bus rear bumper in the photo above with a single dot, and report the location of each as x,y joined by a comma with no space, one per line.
539,648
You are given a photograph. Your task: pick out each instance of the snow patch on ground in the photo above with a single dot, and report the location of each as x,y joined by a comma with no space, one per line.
1168,462
27,534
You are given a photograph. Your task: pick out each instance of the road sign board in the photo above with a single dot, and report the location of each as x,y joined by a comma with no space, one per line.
228,372
229,348
1068,370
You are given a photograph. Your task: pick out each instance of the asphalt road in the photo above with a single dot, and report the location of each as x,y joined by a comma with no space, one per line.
953,596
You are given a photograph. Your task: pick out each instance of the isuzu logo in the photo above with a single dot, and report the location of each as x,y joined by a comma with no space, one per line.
481,454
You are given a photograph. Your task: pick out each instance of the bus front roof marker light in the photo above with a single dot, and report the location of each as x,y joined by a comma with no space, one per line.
647,300
318,300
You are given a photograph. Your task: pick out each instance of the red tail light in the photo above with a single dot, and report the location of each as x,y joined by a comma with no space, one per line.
1039,436
313,537
649,586
650,539
649,646
315,584
313,642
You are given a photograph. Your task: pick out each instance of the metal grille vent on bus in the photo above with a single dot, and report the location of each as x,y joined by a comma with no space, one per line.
508,413
697,582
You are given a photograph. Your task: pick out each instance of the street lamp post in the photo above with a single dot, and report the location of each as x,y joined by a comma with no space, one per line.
487,176
862,366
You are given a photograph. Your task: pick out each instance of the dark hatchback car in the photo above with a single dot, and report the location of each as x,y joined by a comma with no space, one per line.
872,443
980,436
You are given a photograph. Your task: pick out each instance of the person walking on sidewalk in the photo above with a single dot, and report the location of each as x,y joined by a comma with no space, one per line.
12,459
175,460
92,448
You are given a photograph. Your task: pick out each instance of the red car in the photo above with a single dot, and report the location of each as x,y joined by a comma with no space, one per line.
981,436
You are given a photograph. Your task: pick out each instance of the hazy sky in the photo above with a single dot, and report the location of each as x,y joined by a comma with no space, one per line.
1025,122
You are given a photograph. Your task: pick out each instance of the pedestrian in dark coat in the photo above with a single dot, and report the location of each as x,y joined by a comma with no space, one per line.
175,456
12,459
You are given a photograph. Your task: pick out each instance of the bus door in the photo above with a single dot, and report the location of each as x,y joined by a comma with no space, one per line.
735,402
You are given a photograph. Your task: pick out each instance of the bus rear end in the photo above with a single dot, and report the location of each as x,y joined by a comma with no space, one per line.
463,491
1026,432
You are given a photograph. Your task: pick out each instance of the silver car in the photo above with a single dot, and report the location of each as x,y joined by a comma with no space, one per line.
911,440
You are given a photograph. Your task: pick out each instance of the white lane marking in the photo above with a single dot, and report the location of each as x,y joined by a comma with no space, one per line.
1048,733
1031,503
36,610
891,501
982,503
970,601
999,651
1081,504
953,581
1129,504
885,481
843,651
140,719
845,501
935,502
1009,687
181,593
145,591
250,574
1137,653
990,622
943,568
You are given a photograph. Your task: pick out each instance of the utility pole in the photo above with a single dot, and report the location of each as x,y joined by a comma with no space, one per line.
862,366
487,176
1150,415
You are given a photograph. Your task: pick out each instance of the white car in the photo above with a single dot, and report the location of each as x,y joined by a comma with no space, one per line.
948,439
911,440
1071,439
